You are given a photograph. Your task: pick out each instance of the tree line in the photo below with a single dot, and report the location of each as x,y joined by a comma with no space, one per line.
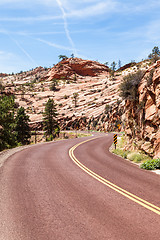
14,123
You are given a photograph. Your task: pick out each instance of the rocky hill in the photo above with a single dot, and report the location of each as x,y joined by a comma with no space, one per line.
70,67
98,103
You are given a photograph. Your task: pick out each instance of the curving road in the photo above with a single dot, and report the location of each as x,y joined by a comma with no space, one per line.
55,192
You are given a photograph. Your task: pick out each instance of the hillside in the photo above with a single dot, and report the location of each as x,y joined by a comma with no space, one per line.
99,105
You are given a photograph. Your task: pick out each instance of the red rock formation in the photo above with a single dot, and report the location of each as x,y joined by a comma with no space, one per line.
143,120
128,65
3,74
69,67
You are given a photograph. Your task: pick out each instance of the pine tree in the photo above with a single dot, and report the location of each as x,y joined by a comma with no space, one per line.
106,64
7,124
49,120
1,87
119,64
72,55
62,57
113,66
22,127
75,78
155,55
75,99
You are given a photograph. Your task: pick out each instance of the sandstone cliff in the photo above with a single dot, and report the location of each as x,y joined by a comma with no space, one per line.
142,122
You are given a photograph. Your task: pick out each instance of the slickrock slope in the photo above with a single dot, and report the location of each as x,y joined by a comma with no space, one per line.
98,104
32,90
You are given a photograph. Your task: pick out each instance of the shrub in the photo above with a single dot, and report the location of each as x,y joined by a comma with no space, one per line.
138,157
65,97
120,152
108,108
134,156
129,86
50,138
53,85
150,78
151,164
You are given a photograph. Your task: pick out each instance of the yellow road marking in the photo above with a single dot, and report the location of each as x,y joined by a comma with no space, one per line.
111,185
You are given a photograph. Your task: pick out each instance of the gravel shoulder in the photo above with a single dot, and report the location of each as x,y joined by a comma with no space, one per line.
4,155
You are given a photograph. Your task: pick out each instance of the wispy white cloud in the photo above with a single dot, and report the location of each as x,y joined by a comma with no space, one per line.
2,53
153,31
54,44
26,3
29,19
24,33
94,9
66,26
69,9
25,52
21,48
78,8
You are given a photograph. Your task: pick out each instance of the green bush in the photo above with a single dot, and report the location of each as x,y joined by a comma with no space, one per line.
135,156
138,157
120,152
65,97
50,138
151,164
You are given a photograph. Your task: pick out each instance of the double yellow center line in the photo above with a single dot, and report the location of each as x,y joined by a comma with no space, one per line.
111,185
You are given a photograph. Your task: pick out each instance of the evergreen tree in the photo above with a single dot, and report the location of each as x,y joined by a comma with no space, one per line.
62,57
75,78
22,127
112,69
49,120
1,87
155,55
113,66
119,64
54,84
7,124
75,99
106,64
72,55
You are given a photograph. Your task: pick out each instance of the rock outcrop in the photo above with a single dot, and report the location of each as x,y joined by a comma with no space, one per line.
143,119
3,74
68,68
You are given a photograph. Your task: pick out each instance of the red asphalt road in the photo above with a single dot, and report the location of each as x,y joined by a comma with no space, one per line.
45,195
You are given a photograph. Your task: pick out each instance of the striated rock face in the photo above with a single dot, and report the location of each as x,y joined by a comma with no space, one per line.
69,67
143,119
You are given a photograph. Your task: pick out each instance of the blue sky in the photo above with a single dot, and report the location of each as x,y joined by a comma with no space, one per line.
35,32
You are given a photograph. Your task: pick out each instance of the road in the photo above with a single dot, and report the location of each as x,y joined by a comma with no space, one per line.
52,191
